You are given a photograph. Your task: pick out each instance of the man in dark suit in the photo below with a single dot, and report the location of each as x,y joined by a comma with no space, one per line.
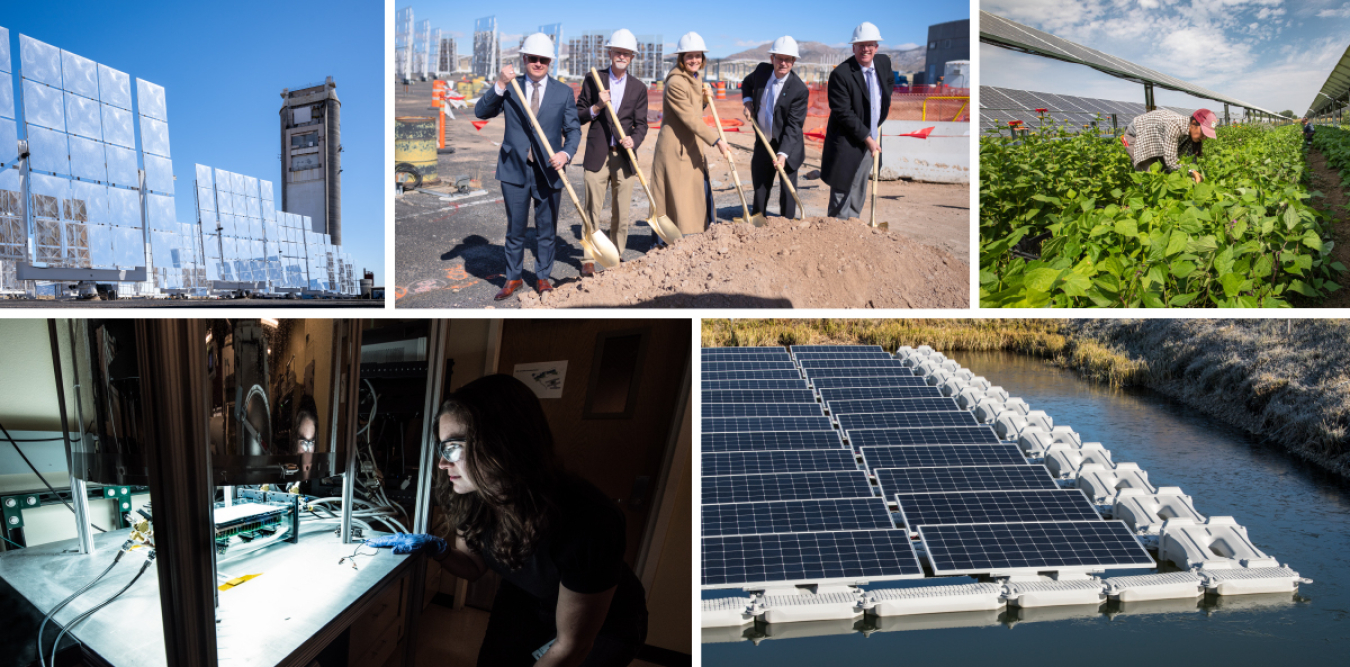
776,99
860,99
606,161
526,172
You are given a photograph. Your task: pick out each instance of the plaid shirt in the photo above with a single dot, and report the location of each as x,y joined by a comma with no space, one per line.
1160,134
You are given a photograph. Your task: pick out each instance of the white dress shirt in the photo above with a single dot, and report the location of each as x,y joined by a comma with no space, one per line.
873,97
768,103
616,87
529,88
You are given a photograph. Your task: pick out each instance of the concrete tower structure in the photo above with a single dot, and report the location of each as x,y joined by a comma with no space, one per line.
311,156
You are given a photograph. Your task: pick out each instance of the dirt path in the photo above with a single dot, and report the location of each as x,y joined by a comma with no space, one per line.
1327,181
812,263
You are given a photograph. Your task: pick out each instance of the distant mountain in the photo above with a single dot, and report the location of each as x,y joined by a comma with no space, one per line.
902,61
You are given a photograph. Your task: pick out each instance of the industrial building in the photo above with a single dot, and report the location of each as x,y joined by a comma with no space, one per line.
198,492
946,42
311,156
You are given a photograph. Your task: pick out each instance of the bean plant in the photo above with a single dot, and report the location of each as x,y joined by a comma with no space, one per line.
1108,236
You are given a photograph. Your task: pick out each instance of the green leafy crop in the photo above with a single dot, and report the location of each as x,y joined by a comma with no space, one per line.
1112,237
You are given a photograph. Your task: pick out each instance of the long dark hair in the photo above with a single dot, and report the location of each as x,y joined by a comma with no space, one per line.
510,457
1196,148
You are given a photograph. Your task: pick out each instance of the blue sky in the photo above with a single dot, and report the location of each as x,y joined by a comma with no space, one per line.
726,27
1271,53
223,67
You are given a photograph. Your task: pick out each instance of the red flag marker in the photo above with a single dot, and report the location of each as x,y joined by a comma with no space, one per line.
478,124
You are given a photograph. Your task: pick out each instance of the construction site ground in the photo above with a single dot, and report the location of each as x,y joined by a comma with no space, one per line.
449,254
192,303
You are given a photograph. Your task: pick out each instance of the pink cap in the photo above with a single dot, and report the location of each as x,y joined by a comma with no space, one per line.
1206,119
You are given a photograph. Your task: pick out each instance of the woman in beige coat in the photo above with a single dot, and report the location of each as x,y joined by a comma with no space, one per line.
679,168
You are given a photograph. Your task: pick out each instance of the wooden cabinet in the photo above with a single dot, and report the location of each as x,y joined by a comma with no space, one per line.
376,633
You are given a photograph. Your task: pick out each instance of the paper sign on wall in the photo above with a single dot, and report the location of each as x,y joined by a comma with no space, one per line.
545,378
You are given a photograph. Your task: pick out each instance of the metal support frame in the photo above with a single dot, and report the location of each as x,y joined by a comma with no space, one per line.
1225,114
79,489
178,453
436,338
1148,98
348,363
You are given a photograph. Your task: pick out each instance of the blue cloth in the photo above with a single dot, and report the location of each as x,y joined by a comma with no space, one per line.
404,543
546,203
557,115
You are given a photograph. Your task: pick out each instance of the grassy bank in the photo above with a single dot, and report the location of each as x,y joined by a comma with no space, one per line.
1284,380
1045,339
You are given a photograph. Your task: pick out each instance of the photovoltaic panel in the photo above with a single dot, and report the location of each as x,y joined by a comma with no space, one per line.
911,380
956,507
927,456
725,385
766,441
760,396
799,460
812,364
811,356
964,478
874,405
879,393
737,424
1002,547
786,486
718,410
943,435
905,420
836,348
796,516
870,555
896,371
712,351
714,366
748,356
751,375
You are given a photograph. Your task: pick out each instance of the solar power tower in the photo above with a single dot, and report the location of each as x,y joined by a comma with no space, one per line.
311,155
73,205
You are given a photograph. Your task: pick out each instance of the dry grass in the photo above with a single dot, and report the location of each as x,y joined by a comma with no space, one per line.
1285,380
1038,338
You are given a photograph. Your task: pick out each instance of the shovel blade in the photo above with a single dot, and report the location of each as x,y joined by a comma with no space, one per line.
665,229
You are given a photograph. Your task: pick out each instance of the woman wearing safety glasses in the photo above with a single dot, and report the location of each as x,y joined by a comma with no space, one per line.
567,597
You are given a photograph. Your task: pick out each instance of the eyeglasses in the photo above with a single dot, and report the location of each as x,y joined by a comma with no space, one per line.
451,450
305,445
538,59
621,54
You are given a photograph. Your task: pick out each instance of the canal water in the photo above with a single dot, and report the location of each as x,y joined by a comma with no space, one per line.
1292,511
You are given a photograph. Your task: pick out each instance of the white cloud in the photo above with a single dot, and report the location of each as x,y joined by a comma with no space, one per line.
1340,13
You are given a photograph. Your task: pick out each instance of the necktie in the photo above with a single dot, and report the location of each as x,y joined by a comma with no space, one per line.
766,113
534,107
872,103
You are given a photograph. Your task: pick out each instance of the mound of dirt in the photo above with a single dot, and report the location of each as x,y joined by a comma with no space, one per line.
811,263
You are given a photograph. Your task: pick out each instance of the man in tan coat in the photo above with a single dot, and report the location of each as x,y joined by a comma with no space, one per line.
679,169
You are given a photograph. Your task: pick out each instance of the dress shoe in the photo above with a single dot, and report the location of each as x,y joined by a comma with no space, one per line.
509,288
544,286
588,269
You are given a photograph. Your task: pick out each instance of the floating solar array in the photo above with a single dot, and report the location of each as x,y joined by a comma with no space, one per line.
1000,105
788,469
79,200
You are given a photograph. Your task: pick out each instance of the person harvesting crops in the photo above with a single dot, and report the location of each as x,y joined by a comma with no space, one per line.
1160,136
1307,132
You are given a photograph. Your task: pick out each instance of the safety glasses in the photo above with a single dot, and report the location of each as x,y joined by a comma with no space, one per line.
451,450
305,445
538,59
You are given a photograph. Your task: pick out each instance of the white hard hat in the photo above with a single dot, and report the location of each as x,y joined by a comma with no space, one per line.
538,44
690,42
865,32
784,46
622,39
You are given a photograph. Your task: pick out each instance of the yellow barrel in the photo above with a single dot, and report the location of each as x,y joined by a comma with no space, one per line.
415,143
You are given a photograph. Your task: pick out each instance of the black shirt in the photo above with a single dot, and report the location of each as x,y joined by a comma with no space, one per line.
584,552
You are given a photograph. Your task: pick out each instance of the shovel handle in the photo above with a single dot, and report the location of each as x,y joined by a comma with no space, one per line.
734,176
786,183
875,179
631,157
585,222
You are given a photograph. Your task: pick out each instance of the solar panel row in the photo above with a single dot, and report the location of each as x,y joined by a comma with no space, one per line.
809,558
786,486
771,440
791,460
796,516
715,410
